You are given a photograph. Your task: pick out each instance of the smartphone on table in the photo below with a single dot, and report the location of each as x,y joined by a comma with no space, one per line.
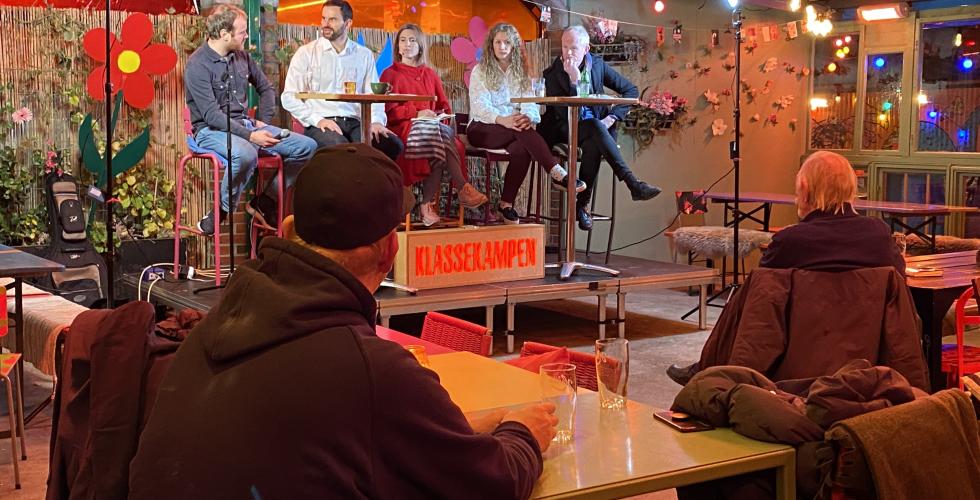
682,421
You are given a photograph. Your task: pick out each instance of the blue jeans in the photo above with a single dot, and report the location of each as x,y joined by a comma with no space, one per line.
295,150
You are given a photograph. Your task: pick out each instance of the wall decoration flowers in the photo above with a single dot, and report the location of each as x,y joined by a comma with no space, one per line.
469,50
22,116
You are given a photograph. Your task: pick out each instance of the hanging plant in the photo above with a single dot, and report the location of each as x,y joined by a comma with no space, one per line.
653,116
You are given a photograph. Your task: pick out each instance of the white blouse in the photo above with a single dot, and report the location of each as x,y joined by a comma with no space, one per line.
486,105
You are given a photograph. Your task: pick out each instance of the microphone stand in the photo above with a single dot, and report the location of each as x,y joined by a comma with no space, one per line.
231,210
110,244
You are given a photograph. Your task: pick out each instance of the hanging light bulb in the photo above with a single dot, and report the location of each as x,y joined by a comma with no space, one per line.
733,3
811,14
832,67
840,54
839,42
658,6
847,38
837,98
882,117
794,5
922,98
958,39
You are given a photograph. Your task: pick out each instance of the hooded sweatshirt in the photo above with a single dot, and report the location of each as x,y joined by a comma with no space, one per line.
283,391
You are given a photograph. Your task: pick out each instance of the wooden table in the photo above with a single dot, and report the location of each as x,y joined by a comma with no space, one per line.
477,383
568,266
405,339
365,100
933,297
894,211
614,454
18,265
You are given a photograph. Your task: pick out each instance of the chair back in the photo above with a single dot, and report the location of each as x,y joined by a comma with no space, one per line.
188,128
585,375
456,334
965,357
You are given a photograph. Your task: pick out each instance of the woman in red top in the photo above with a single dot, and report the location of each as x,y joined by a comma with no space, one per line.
430,146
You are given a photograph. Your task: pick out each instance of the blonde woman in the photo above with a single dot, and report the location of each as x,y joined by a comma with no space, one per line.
496,123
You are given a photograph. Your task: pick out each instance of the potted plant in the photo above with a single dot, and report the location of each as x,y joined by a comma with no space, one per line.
656,112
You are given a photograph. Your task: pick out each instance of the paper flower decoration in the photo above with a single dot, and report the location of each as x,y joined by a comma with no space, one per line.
768,86
769,65
468,50
131,62
726,92
712,98
673,74
754,118
805,71
751,46
22,116
783,102
773,119
729,63
792,124
718,127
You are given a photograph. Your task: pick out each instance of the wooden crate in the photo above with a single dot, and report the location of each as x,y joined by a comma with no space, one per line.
469,255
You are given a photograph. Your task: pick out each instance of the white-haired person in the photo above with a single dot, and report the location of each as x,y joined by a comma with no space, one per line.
496,123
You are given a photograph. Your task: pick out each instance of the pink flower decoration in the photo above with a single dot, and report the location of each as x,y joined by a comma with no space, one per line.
22,116
468,50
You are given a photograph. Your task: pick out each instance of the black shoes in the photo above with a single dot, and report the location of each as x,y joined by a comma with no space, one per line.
509,214
583,217
682,374
207,224
641,191
264,209
563,184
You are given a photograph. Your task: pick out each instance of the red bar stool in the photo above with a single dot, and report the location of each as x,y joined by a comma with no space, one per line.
267,163
959,358
15,413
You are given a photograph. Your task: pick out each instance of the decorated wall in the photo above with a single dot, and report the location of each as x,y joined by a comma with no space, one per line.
693,153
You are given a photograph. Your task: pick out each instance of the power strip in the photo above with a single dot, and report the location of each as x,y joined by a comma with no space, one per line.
154,273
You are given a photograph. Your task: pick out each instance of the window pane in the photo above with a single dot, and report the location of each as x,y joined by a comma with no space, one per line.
949,102
971,198
832,106
917,187
884,96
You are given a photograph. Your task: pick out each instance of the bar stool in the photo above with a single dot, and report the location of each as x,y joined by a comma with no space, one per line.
492,157
15,413
269,164
267,161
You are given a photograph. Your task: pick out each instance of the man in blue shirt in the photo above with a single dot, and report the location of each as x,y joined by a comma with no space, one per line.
595,134
218,74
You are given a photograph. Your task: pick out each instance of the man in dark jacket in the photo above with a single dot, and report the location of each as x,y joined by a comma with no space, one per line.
596,136
831,236
285,391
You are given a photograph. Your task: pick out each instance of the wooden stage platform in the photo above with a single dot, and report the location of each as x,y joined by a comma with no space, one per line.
635,274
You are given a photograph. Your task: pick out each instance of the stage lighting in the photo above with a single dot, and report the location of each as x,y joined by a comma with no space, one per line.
658,6
958,39
923,99
879,62
966,64
883,12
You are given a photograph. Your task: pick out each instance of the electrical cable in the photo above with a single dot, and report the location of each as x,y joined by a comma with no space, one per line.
658,233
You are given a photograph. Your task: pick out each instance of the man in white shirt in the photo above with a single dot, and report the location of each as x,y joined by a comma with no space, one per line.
323,66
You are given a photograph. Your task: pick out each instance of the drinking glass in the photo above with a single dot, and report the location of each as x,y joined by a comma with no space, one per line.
419,352
612,363
558,386
584,88
350,81
901,242
537,86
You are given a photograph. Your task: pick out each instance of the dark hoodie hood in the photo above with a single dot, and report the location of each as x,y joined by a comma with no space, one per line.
287,293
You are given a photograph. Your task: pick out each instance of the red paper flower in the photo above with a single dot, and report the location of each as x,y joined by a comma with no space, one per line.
133,59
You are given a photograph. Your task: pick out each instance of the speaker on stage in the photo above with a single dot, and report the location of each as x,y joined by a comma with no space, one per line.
134,255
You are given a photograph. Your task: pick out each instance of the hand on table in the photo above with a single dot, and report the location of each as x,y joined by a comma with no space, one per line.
326,124
539,418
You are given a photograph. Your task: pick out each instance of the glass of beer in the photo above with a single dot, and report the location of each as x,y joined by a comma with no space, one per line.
419,352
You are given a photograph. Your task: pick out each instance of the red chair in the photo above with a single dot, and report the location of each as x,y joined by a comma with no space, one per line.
585,375
958,358
267,162
15,412
456,334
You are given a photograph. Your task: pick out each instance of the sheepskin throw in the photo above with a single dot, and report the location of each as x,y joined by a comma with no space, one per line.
714,242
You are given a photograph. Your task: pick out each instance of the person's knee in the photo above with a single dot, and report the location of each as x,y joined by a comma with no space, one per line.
304,147
245,156
593,124
325,139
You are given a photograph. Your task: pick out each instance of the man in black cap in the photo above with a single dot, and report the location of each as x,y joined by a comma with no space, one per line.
285,391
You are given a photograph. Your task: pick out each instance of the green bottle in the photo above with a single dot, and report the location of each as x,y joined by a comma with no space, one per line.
585,84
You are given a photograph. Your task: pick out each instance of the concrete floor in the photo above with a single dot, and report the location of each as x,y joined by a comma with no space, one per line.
657,339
